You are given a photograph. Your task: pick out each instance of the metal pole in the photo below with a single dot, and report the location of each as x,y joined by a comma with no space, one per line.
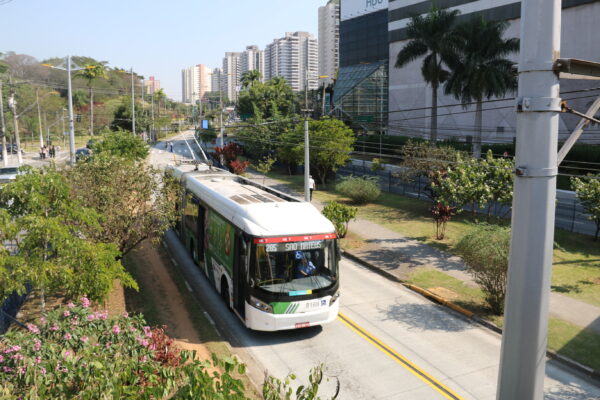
132,104
152,134
12,103
523,353
71,123
37,100
3,130
306,160
221,158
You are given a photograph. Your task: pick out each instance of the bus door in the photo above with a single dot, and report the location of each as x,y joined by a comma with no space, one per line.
239,275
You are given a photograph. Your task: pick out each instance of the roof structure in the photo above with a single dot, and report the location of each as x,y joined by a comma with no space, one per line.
258,210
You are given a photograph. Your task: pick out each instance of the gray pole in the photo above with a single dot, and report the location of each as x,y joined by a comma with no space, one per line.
12,103
71,124
221,130
152,135
132,104
306,145
37,100
523,353
306,161
3,129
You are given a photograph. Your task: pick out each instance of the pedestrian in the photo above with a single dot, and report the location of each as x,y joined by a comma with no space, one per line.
41,153
58,149
171,147
311,186
52,151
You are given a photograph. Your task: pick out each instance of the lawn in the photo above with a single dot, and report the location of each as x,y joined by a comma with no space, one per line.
567,339
576,269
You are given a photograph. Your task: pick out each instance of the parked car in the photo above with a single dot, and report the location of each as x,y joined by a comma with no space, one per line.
11,149
82,154
8,174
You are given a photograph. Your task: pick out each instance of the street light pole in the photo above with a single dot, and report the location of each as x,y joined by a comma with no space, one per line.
306,144
3,130
12,103
37,100
71,123
132,104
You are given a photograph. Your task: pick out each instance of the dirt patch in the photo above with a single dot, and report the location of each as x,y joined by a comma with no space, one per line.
169,303
444,293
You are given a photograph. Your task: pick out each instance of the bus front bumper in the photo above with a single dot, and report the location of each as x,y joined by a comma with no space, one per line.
262,321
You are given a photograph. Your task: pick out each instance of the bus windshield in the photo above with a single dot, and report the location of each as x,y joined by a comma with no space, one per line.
295,268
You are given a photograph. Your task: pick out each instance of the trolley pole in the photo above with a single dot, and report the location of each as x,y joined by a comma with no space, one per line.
523,353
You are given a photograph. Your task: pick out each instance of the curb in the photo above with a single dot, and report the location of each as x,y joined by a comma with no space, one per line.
569,363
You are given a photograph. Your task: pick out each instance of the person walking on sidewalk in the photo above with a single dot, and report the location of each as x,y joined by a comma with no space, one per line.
311,186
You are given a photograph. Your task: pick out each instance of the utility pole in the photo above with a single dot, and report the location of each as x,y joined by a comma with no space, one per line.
37,100
152,135
63,127
306,144
132,104
523,353
221,129
3,129
12,103
71,123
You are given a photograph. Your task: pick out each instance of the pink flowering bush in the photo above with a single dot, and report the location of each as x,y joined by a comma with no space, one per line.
76,352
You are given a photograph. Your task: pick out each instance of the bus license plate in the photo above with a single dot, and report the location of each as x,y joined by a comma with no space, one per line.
302,325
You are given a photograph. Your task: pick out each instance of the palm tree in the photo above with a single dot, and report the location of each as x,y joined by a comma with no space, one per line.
90,73
479,68
430,36
249,78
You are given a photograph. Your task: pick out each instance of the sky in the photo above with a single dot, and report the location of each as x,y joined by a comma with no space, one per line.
156,38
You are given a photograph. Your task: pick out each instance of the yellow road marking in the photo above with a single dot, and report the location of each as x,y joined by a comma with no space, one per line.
418,372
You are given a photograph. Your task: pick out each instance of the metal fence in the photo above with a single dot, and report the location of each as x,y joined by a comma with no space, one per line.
570,214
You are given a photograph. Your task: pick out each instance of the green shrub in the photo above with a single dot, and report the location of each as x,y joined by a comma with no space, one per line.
485,251
339,215
361,190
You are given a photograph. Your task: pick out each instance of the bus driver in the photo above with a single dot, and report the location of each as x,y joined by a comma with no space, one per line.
303,266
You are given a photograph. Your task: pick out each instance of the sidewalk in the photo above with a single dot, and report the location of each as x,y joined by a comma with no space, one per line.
398,256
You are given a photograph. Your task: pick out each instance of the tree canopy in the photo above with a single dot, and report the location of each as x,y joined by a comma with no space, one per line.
271,99
121,143
46,240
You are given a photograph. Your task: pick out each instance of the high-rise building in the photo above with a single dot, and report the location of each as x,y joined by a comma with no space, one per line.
295,58
231,74
329,38
195,81
216,84
253,59
360,95
152,85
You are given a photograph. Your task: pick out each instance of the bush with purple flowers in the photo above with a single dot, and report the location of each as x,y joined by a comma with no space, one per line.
75,352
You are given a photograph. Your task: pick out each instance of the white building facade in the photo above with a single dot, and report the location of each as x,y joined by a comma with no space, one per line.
295,58
329,38
253,59
410,96
231,74
195,81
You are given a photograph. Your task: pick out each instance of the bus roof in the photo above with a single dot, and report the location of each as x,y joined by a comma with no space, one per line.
256,209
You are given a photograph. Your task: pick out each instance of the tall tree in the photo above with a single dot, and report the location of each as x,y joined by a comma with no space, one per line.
45,240
135,202
430,36
479,67
90,73
249,78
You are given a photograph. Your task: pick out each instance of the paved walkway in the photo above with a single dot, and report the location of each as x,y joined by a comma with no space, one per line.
399,256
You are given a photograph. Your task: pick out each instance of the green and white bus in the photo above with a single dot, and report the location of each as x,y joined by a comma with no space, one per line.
273,259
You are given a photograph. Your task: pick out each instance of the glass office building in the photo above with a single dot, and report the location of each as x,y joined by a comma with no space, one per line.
361,89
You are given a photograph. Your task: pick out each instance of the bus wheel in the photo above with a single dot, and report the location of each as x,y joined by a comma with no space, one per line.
225,292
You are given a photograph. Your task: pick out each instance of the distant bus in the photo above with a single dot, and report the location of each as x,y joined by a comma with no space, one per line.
273,259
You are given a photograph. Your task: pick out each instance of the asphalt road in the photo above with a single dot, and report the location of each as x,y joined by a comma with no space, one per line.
388,343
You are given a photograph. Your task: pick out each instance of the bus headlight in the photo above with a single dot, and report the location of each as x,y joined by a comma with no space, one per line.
261,305
334,298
